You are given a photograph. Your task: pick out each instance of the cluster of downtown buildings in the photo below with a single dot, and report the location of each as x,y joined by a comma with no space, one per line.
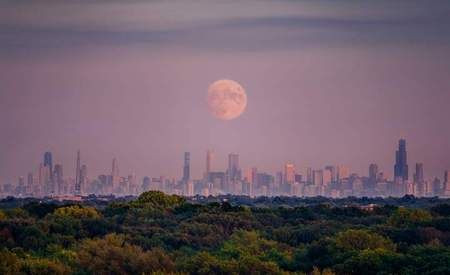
332,181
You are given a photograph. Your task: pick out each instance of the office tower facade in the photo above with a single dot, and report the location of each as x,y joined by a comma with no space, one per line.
30,184
333,172
373,172
115,168
289,173
49,181
78,186
343,172
278,182
59,180
401,162
48,161
132,185
309,175
209,160
419,175
189,188
233,172
318,177
437,187
327,176
115,178
187,166
146,181
419,181
447,183
84,178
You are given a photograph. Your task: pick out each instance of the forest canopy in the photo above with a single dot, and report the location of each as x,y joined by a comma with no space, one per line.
166,234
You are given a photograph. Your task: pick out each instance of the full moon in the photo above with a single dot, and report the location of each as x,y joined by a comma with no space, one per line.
226,99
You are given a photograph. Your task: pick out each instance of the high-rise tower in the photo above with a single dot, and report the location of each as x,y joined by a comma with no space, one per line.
234,172
115,178
373,172
447,183
401,163
418,175
289,173
78,175
186,166
48,166
48,162
209,159
59,179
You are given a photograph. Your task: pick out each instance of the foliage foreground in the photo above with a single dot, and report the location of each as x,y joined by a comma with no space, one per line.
162,234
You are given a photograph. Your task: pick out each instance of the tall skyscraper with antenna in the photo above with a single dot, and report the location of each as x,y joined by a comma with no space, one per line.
401,163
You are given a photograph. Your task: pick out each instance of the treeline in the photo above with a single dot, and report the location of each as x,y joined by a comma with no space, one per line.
162,234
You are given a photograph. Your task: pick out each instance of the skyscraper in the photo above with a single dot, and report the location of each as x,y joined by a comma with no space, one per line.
318,177
418,175
48,162
30,183
373,172
83,178
289,173
114,168
146,181
59,179
401,164
41,181
186,166
343,172
115,178
333,172
447,183
49,181
78,175
209,159
234,172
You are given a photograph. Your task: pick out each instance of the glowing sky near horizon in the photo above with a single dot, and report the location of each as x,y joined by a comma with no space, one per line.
328,82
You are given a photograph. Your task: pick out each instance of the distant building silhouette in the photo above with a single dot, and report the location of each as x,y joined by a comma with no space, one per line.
401,163
289,173
49,181
78,184
59,180
234,172
209,159
187,166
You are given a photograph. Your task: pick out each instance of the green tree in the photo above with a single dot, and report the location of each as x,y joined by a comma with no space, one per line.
406,216
77,211
9,263
36,266
357,239
158,199
112,255
371,262
204,263
2,215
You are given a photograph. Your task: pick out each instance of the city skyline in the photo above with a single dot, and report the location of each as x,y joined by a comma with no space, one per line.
335,180
221,162
326,82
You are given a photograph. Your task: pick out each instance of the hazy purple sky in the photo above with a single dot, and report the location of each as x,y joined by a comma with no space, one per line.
328,82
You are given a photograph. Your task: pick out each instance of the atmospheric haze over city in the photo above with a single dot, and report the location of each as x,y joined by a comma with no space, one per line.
295,98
